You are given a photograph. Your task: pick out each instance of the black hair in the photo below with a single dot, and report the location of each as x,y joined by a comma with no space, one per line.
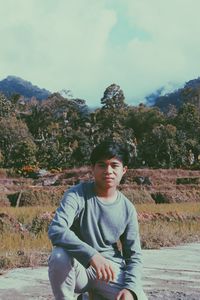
109,149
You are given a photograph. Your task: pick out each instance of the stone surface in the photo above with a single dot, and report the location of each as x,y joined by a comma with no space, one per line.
169,273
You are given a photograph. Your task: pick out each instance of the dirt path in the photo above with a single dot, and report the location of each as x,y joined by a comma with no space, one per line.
169,273
173,273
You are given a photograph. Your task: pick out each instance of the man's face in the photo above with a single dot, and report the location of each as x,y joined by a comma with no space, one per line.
108,172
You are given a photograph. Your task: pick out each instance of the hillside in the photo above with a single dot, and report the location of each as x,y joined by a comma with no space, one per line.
139,185
16,85
189,93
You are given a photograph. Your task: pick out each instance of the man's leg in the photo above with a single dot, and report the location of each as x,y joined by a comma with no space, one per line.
66,275
109,291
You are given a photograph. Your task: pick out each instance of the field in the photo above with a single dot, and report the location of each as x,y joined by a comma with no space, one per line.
167,202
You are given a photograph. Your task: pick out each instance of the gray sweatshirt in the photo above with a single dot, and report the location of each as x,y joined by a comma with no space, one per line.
85,225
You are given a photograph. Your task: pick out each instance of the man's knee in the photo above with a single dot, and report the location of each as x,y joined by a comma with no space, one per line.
60,259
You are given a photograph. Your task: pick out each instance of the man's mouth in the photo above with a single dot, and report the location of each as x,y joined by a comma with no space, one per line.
108,178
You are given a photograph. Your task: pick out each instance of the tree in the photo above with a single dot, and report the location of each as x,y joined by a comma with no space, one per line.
24,153
6,107
188,120
109,122
113,97
113,112
16,143
160,148
143,119
1,159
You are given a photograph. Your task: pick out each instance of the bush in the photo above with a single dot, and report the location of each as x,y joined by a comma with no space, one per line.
5,262
3,173
4,201
188,180
38,197
160,198
41,223
137,196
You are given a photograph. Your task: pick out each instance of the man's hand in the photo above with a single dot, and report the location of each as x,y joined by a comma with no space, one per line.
104,269
125,295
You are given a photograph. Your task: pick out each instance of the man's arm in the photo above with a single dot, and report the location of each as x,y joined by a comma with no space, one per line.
60,233
103,268
132,254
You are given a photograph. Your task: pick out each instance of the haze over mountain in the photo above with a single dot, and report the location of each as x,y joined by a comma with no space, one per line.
161,98
190,92
16,85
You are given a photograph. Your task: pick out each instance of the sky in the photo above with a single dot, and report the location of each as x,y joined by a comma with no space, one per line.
86,45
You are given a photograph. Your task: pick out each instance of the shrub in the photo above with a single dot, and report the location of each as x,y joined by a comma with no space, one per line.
38,197
160,198
4,201
41,223
29,171
188,180
5,262
161,233
137,196
3,173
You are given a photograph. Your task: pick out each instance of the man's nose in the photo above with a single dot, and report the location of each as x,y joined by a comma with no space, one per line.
108,169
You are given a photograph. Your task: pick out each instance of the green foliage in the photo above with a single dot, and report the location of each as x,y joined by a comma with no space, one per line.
143,119
61,133
16,143
159,148
113,97
6,107
41,223
1,159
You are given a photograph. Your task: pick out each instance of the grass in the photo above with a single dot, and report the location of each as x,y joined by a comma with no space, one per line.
18,251
24,214
24,248
187,207
166,232
31,246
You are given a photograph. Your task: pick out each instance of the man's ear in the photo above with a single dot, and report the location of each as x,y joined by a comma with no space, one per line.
125,169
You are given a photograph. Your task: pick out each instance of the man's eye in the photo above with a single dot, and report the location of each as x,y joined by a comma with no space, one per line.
115,166
101,165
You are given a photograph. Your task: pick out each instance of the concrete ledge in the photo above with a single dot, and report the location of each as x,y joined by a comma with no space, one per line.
169,273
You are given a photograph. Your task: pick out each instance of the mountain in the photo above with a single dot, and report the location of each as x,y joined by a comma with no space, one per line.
190,92
16,85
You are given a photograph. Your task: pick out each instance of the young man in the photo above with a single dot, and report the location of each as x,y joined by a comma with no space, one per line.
91,220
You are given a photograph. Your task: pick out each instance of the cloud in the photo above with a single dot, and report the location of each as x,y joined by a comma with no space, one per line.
87,45
171,51
60,44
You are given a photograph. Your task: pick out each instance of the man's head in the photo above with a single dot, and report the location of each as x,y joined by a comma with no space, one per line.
110,149
109,163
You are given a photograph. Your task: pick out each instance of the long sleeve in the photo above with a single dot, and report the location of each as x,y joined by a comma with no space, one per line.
61,234
132,254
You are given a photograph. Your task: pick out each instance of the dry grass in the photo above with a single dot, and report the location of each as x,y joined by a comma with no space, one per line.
171,224
18,250
31,246
25,250
163,233
25,215
170,231
15,242
190,208
24,247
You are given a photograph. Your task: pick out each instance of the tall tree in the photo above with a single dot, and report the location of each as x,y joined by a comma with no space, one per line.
113,97
16,143
143,119
6,107
159,148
